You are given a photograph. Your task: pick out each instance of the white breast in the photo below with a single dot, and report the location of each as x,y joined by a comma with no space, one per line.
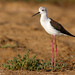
48,27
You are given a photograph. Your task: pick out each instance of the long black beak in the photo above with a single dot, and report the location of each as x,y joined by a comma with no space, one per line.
35,14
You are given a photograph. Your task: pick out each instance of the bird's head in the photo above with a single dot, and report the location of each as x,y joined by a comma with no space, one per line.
42,10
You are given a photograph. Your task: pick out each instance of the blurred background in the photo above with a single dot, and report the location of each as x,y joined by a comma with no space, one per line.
19,31
56,2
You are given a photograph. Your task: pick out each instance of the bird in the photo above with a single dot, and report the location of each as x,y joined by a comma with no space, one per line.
53,28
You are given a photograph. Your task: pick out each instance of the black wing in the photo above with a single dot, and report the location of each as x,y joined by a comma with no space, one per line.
60,28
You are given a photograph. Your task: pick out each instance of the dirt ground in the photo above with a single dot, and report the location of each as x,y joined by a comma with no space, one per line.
17,26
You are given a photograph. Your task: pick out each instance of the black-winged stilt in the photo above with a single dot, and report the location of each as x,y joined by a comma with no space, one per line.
52,27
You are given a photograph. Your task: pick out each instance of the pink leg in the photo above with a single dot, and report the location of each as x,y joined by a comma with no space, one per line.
55,51
52,50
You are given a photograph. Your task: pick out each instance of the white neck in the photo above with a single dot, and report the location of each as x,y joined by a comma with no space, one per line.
43,17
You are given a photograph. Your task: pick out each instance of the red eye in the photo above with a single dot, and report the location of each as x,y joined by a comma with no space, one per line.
42,10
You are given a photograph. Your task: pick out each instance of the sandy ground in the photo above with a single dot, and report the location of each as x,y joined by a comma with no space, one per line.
17,26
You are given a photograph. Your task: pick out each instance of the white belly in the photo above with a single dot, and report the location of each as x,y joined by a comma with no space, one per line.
48,28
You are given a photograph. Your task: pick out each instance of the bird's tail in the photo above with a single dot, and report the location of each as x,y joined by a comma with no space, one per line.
71,35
